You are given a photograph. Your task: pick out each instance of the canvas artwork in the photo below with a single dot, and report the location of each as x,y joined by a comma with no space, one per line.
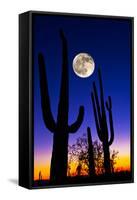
82,100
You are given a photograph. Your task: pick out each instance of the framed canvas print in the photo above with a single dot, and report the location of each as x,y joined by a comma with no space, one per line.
75,99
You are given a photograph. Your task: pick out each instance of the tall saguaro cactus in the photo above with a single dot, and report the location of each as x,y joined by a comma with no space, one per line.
60,128
90,154
101,121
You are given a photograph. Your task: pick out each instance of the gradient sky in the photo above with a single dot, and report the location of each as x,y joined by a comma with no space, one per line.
108,41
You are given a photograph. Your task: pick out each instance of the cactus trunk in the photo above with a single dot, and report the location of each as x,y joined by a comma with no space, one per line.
59,160
101,121
90,154
107,166
60,129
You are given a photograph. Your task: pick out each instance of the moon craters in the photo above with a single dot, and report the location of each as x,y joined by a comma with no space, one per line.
83,65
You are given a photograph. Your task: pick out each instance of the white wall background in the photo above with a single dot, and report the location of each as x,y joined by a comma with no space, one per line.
9,11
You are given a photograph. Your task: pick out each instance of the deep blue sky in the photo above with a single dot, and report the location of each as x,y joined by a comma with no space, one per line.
108,41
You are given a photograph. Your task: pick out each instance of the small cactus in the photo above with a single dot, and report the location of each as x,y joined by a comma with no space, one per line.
40,176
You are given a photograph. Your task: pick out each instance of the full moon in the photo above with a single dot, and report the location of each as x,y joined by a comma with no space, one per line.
83,65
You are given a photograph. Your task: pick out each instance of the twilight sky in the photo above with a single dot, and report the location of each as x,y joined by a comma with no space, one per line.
108,41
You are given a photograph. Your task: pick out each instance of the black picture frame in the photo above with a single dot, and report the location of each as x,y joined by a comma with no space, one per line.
26,112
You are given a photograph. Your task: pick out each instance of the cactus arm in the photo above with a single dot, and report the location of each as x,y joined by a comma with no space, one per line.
109,108
101,90
89,134
45,101
109,103
104,119
75,126
97,101
96,118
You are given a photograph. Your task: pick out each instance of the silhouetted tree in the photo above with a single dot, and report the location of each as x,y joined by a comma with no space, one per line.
98,157
113,162
101,121
79,155
60,128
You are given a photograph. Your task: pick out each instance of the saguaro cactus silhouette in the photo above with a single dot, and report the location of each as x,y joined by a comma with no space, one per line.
90,154
60,128
40,176
101,121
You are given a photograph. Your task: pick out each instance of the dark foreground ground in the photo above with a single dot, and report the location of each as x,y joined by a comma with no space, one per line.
81,180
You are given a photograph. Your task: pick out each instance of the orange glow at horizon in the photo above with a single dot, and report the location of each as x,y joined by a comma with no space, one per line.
122,164
45,171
